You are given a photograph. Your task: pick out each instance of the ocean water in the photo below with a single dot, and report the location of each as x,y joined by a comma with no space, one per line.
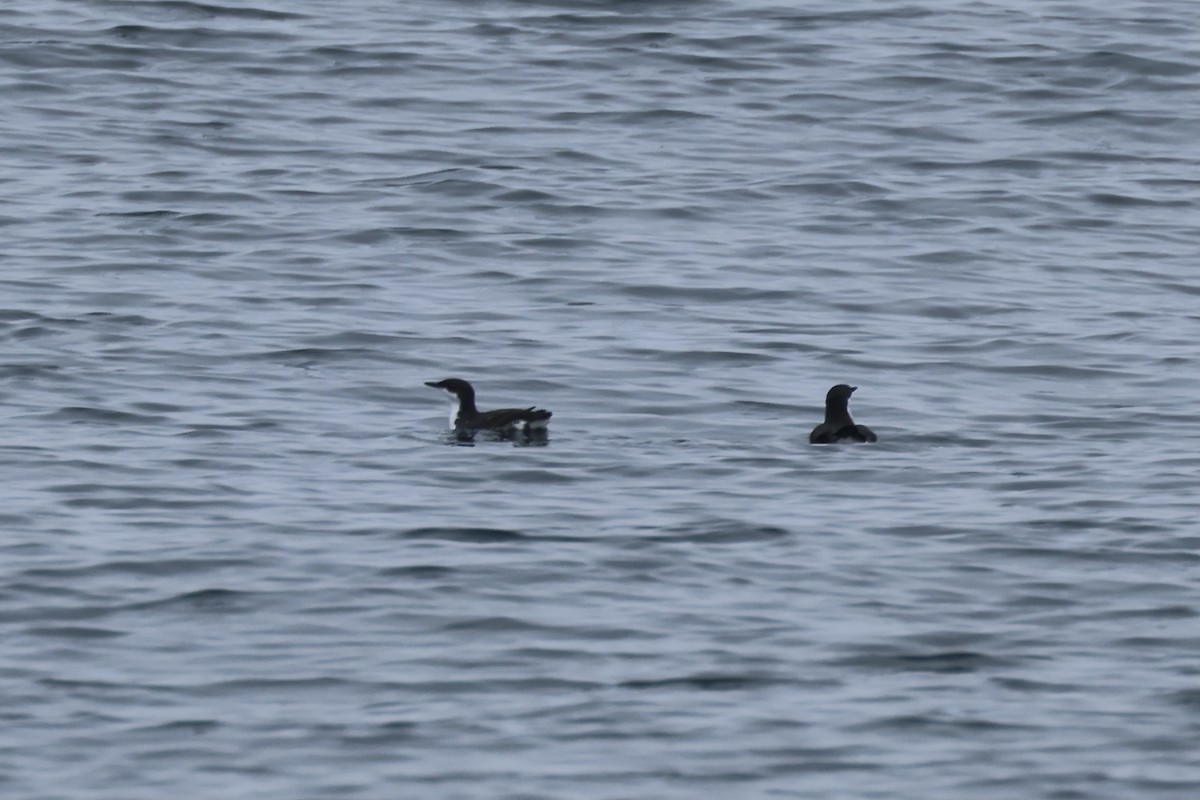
241,557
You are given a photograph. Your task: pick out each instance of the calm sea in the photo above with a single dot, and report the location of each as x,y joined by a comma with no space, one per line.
241,559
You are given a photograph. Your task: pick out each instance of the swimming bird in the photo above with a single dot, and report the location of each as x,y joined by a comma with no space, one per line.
838,427
464,416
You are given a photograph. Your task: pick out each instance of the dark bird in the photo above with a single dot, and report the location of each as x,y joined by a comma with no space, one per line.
838,427
464,416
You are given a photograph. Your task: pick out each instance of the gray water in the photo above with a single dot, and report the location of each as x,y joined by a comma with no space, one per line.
241,558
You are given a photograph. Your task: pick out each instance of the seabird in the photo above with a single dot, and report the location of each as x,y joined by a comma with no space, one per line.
838,427
464,416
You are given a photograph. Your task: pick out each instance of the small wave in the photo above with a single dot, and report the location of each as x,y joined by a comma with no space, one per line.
471,535
208,600
710,681
109,416
422,571
496,625
932,723
1124,200
74,632
161,567
720,532
951,661
196,726
715,294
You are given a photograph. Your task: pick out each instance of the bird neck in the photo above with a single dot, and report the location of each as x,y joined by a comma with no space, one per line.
837,414
466,404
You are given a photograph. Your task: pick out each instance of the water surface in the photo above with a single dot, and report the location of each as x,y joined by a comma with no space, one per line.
241,556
